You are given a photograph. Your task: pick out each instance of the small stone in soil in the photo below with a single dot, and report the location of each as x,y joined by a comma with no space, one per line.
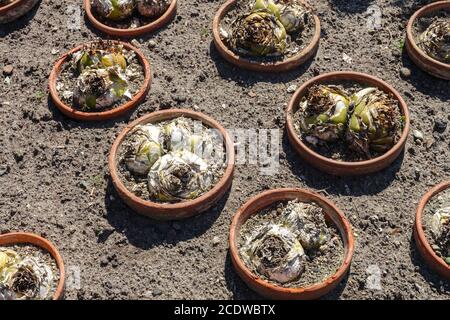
291,88
440,125
216,241
405,72
4,169
8,70
418,135
156,292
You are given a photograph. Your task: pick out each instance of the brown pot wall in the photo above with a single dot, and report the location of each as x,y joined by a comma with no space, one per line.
175,211
420,58
424,247
130,33
16,10
267,290
29,238
104,115
342,168
245,63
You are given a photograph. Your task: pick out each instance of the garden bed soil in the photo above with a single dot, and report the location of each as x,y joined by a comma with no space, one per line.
55,178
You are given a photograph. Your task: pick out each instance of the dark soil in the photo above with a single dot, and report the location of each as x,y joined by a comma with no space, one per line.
439,201
54,171
298,40
42,256
339,150
66,82
319,266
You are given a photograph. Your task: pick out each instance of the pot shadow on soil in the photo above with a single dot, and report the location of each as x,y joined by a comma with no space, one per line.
242,292
146,233
343,186
19,23
247,78
143,37
425,271
68,123
424,82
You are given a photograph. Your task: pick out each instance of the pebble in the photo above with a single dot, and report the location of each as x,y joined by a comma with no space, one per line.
440,125
152,44
216,241
291,88
405,72
157,292
418,135
135,43
4,169
8,70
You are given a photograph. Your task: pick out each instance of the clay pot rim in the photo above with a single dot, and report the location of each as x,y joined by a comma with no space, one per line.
435,6
107,114
346,75
152,26
420,234
350,248
35,240
166,115
252,65
11,6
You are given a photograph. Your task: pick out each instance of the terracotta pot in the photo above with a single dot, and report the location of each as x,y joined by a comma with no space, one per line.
420,58
173,211
130,33
103,115
35,240
271,291
16,10
428,254
342,168
245,63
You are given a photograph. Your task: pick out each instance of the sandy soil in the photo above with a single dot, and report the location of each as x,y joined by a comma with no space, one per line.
54,178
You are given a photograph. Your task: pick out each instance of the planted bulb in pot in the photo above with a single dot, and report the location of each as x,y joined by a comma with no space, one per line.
259,34
435,40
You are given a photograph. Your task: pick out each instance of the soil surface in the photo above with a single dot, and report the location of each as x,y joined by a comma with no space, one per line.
54,175
42,256
319,265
